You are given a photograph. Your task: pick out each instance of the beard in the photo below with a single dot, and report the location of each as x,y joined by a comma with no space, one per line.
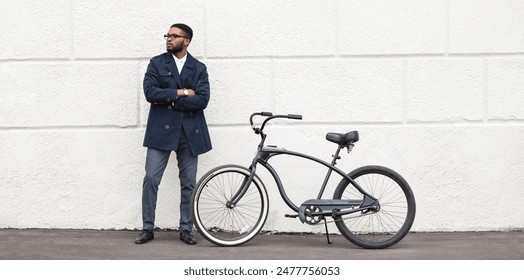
175,49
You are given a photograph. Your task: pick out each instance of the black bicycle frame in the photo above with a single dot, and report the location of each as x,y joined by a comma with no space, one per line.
265,153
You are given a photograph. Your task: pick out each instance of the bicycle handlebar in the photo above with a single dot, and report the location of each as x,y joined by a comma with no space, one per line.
270,116
294,117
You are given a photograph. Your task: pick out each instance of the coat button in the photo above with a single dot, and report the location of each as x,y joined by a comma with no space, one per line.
169,107
167,126
197,131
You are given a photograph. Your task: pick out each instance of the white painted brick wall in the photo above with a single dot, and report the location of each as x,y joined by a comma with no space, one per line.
391,27
35,29
435,88
505,87
445,89
270,28
486,26
42,94
364,90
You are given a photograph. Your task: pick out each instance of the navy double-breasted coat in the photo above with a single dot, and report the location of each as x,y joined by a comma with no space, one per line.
169,114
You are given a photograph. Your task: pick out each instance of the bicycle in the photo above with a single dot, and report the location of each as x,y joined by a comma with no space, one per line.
372,206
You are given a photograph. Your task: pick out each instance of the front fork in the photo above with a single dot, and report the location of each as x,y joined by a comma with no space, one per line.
243,188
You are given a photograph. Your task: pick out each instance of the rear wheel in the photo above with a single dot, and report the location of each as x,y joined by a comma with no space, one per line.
223,225
384,227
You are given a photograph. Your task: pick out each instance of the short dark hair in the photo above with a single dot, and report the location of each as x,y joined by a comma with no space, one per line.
185,28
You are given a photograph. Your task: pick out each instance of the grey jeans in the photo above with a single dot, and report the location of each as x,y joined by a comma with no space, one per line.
156,162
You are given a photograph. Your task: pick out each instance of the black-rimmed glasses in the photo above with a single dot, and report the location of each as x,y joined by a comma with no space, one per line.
173,36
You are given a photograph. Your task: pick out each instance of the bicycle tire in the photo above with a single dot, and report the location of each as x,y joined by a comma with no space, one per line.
388,225
225,226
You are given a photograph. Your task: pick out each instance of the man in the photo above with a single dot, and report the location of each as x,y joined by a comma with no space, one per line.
177,86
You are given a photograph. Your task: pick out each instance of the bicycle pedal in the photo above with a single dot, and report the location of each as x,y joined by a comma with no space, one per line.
291,215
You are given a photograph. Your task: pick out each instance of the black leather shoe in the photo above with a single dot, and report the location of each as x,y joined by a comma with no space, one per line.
145,236
187,237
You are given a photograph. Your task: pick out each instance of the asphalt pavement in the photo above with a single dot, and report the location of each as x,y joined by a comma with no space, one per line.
50,244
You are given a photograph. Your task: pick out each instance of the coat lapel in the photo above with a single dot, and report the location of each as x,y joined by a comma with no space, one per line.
187,69
171,65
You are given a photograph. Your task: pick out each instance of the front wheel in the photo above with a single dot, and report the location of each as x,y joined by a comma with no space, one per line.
382,227
223,225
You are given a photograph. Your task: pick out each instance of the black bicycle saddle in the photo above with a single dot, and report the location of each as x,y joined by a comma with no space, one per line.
343,139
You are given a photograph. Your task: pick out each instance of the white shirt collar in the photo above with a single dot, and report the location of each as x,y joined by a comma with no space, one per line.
180,62
183,59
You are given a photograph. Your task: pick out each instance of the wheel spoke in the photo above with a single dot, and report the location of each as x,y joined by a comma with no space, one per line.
384,226
223,225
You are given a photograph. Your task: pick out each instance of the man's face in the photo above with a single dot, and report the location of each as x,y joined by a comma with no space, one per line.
176,40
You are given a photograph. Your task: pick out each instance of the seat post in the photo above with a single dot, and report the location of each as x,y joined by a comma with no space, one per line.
336,156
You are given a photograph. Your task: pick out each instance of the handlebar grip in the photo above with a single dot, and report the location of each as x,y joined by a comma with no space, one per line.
266,114
294,117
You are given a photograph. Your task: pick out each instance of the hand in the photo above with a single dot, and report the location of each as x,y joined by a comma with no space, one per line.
180,92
